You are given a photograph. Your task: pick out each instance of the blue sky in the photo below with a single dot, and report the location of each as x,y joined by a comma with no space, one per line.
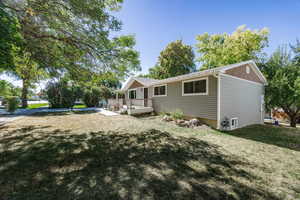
155,23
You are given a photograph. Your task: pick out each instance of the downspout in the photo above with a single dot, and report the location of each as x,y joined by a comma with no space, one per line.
217,75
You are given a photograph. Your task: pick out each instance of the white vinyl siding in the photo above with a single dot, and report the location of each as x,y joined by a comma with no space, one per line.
240,99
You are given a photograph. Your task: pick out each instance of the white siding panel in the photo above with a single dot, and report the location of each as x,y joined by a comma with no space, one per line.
241,99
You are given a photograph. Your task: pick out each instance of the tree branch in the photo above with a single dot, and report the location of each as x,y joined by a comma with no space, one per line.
11,8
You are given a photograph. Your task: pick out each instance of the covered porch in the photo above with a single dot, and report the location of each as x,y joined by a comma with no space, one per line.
136,98
132,106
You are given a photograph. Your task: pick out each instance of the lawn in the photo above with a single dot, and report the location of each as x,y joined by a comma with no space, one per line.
37,105
79,106
89,156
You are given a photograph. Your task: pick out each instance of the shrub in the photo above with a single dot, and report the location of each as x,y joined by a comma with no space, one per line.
61,95
4,102
92,97
12,103
177,114
164,113
106,93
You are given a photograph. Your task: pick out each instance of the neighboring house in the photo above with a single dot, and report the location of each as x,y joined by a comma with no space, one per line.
235,92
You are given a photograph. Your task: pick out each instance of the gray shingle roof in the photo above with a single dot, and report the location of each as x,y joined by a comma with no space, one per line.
151,82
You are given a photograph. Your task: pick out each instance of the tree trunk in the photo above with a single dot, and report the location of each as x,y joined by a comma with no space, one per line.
24,93
293,121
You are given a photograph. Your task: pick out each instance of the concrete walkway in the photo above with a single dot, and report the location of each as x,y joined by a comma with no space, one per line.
108,113
20,113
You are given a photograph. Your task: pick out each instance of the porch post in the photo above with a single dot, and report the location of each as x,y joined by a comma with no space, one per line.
117,97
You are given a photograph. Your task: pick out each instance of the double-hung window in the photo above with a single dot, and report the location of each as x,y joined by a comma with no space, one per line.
195,87
160,90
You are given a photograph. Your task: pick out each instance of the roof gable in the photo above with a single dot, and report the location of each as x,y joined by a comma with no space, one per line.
135,84
138,82
244,72
252,65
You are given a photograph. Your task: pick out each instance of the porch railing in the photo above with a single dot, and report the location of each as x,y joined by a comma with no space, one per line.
139,102
116,104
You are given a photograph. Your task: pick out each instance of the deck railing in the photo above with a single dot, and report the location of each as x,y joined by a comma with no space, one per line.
116,104
139,102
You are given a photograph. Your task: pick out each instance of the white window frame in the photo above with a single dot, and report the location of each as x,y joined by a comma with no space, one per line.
194,94
166,86
232,127
132,90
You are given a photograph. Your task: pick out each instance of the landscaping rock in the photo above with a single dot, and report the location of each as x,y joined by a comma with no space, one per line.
181,123
167,118
123,111
194,122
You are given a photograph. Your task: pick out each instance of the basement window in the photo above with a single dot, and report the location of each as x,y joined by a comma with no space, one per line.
234,123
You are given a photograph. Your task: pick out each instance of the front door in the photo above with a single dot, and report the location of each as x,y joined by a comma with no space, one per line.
145,97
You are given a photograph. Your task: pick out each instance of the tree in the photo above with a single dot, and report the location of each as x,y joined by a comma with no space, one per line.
70,37
283,89
73,36
5,88
29,72
10,39
296,51
8,89
223,49
176,59
61,94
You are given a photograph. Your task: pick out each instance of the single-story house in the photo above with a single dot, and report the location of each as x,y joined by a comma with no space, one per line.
232,93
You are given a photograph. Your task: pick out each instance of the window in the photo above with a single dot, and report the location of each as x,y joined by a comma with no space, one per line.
195,87
234,123
132,94
160,90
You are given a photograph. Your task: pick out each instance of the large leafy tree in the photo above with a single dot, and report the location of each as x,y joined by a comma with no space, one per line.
222,49
70,35
10,39
283,90
74,37
29,72
176,59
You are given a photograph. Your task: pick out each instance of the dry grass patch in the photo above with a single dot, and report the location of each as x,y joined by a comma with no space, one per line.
89,156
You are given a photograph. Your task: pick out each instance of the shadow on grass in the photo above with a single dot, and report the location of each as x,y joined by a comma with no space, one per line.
285,137
40,164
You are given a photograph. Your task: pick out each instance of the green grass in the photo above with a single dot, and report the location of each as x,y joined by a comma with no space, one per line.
37,105
280,136
79,106
75,156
